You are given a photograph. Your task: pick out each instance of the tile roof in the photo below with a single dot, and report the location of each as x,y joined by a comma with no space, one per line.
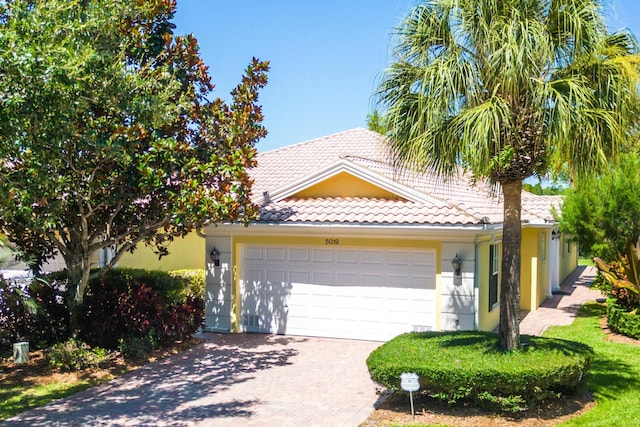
362,210
463,200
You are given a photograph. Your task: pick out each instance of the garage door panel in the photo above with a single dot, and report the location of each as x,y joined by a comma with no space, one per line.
322,278
372,280
252,253
422,282
373,257
423,258
347,257
322,255
337,292
276,276
299,254
347,279
299,277
396,258
276,254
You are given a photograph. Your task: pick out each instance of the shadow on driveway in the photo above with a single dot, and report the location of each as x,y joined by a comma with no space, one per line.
239,379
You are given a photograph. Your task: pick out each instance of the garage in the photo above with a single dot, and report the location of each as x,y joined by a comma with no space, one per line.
334,291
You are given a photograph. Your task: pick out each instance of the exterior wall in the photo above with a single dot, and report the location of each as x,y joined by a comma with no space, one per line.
488,319
219,286
457,304
568,257
533,269
344,184
188,252
543,267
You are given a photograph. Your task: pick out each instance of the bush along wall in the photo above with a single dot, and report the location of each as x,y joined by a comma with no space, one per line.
468,366
622,321
130,309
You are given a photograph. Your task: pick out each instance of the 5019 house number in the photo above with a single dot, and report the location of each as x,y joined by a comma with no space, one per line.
331,241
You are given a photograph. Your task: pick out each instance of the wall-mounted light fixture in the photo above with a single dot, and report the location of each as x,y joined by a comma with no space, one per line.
555,235
215,257
456,263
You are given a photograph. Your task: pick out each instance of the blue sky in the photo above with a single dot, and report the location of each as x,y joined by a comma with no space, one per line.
326,55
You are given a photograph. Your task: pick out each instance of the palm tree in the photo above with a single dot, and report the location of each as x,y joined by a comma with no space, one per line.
508,89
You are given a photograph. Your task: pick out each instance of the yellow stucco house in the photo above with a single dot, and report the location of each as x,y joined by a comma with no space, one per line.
348,247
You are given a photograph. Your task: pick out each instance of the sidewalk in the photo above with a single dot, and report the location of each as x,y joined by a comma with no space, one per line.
562,308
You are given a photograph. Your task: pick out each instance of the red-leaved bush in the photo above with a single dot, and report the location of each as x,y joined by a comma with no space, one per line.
114,314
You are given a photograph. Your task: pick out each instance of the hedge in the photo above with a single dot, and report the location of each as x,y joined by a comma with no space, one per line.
468,366
622,321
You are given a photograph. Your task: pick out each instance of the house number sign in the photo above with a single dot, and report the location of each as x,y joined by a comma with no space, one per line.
410,382
331,241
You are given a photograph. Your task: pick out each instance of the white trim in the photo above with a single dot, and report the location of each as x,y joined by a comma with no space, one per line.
411,232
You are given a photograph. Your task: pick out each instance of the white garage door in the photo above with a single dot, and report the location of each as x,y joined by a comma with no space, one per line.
372,294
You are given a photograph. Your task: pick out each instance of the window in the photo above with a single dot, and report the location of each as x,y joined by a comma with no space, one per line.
494,268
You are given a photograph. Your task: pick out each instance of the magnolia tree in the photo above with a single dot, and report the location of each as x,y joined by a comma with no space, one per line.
108,137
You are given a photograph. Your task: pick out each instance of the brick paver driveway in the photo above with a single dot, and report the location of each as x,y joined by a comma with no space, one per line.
230,380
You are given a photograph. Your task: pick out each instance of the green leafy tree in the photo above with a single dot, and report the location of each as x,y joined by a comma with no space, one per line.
107,135
545,190
603,213
508,89
375,122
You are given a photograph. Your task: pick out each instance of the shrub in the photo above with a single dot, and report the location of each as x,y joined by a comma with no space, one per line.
74,355
137,347
623,276
33,311
468,366
621,320
121,310
193,282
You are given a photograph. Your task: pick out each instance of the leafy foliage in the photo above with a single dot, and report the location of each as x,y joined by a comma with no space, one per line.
463,366
375,122
624,277
623,321
603,212
551,190
74,355
125,305
34,311
509,89
108,138
134,305
193,282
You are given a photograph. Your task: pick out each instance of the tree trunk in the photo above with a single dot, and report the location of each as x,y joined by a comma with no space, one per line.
78,268
510,285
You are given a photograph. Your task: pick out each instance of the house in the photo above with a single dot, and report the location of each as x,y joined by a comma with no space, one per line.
346,246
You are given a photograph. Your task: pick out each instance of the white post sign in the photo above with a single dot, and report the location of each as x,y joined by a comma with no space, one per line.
410,382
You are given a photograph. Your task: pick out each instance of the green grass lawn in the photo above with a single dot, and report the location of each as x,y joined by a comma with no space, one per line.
19,398
614,376
585,261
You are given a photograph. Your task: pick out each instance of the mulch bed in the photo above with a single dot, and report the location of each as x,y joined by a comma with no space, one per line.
397,409
37,370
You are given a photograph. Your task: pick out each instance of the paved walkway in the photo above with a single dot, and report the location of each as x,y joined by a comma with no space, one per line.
563,307
260,380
